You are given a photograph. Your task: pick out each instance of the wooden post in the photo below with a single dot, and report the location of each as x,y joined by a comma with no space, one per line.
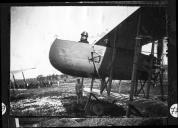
134,70
150,71
112,65
24,79
160,62
161,86
11,123
136,81
82,80
15,83
92,80
17,122
134,73
82,84
89,98
111,72
135,87
120,86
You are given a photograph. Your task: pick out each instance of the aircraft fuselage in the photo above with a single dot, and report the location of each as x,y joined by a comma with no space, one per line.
75,58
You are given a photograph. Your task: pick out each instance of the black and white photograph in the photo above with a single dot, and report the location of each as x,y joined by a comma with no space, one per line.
88,65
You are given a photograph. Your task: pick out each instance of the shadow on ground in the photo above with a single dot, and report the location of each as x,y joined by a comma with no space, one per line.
95,108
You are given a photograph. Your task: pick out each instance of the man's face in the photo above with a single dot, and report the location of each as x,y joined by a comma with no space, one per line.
83,37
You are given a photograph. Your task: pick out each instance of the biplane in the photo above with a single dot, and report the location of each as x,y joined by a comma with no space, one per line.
117,55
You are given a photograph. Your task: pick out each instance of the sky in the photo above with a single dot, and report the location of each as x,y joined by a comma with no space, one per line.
34,28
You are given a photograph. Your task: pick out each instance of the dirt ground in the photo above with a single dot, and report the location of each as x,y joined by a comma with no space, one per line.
55,101
89,122
60,101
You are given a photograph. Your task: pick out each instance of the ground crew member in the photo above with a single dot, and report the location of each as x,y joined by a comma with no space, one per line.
83,39
79,91
84,36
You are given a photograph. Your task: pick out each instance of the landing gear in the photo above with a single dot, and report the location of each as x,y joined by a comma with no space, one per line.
106,84
94,106
142,84
89,98
103,85
98,109
156,80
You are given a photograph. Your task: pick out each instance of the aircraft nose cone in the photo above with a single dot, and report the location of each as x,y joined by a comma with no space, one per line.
54,55
71,57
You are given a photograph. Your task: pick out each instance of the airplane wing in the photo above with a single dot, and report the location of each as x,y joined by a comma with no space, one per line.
75,58
20,70
152,24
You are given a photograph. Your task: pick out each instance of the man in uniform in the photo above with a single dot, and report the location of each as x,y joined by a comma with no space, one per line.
83,39
79,91
84,36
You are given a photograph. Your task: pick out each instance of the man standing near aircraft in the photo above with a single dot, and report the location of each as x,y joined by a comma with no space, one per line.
84,36
79,91
83,39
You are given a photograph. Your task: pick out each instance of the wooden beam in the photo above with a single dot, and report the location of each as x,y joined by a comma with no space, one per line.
82,81
134,70
17,122
111,72
112,65
15,83
150,72
134,74
24,80
161,42
92,80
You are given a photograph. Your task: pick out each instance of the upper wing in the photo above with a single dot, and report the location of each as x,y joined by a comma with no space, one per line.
152,24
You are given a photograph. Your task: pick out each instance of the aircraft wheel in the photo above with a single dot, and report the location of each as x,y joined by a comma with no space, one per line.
98,109
91,107
87,111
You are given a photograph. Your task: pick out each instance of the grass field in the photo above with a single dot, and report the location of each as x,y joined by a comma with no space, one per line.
61,101
89,122
53,101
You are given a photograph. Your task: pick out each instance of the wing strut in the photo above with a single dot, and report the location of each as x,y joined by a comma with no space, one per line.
103,82
112,65
134,71
150,72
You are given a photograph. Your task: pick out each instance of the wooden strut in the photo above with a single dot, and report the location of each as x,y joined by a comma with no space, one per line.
87,106
24,79
95,70
17,122
136,85
161,86
91,87
89,98
160,62
103,84
112,65
150,71
108,88
141,88
15,83
134,72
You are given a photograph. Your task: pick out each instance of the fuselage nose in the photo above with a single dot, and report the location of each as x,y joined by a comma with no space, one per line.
52,54
55,57
71,57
